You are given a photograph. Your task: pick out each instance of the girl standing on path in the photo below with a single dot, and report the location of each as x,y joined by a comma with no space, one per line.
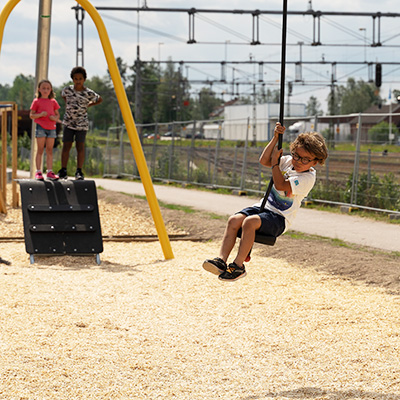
44,111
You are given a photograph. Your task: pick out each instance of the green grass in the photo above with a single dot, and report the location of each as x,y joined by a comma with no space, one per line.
185,209
340,243
375,148
374,215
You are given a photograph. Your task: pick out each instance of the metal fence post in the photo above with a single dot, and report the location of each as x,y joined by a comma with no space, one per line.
245,155
190,154
154,153
354,185
369,169
171,152
214,178
107,166
121,152
234,166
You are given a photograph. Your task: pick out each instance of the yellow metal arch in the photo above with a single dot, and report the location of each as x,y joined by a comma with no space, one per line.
126,114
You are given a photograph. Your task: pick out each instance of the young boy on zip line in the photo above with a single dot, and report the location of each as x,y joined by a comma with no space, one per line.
294,177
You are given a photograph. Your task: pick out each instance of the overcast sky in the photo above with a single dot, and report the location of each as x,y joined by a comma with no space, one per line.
219,36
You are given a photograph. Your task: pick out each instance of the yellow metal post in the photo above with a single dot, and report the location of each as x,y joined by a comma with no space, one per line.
126,114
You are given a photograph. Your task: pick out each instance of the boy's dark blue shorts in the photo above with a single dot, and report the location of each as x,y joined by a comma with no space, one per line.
271,223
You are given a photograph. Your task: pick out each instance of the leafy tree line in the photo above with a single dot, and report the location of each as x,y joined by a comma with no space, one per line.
162,94
355,97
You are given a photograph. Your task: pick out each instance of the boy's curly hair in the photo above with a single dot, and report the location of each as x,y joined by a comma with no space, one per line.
78,70
313,143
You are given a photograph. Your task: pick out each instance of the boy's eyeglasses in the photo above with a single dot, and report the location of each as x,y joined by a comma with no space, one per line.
303,160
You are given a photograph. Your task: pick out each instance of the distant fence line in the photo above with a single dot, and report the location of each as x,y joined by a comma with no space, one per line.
366,179
357,178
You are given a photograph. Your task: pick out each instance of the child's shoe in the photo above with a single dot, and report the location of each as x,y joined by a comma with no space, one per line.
62,173
233,273
79,175
52,176
216,266
39,176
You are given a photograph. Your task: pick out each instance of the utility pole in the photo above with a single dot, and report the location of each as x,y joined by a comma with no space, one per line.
138,82
254,107
79,16
331,137
42,62
138,90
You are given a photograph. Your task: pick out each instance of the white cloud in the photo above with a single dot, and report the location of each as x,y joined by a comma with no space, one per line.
19,41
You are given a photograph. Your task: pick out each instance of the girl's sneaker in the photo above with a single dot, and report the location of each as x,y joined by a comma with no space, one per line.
39,176
52,176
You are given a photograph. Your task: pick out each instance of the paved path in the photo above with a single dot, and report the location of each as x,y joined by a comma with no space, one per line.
350,228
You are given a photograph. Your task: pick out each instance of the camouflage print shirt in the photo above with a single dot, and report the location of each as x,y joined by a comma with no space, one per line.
77,102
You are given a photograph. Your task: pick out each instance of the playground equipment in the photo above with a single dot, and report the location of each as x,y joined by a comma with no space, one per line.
61,217
260,238
126,114
5,109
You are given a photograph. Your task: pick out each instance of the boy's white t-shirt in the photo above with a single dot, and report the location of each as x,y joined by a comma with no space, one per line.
301,184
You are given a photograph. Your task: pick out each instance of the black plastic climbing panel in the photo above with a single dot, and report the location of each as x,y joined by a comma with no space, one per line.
61,217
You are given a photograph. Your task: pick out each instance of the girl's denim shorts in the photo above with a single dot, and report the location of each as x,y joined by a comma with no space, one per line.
47,133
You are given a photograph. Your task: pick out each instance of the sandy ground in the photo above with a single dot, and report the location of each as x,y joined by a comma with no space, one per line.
140,327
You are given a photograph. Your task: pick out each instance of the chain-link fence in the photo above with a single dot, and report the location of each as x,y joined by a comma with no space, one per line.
203,153
176,153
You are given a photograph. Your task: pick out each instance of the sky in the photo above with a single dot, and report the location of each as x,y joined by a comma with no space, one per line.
219,37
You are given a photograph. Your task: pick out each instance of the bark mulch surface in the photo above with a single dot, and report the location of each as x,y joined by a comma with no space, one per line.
311,320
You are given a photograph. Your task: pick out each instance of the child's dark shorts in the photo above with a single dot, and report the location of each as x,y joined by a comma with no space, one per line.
271,223
70,134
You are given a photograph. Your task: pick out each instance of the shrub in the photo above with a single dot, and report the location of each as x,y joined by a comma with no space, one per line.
380,132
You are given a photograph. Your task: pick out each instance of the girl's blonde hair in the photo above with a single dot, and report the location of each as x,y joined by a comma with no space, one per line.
52,95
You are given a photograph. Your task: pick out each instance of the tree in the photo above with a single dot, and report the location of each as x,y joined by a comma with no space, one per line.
22,91
123,71
205,104
144,93
357,96
273,96
4,92
171,91
111,102
102,115
313,106
380,132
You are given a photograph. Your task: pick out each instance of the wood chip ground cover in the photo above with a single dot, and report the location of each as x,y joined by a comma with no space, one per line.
140,327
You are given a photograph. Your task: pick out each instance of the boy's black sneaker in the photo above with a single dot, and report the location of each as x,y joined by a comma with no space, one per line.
233,273
62,173
79,175
216,265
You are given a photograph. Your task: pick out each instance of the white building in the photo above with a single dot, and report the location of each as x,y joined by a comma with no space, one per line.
256,122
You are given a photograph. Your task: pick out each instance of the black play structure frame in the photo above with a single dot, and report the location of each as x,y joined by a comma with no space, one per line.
61,217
